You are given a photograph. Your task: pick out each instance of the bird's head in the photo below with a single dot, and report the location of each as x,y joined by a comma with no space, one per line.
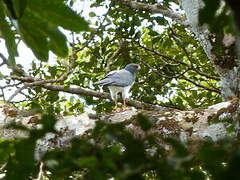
133,68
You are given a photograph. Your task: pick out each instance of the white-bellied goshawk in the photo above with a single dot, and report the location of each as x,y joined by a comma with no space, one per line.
120,81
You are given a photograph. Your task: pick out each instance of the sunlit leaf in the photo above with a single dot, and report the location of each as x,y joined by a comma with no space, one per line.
58,14
8,35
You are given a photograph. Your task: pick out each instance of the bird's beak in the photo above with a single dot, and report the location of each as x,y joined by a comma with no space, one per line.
139,68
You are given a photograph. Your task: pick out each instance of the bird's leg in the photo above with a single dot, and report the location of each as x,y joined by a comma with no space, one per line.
124,103
125,107
116,103
116,106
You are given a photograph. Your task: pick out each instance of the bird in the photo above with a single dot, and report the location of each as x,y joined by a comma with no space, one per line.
120,81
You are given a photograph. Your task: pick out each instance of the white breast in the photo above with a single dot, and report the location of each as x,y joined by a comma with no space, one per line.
114,90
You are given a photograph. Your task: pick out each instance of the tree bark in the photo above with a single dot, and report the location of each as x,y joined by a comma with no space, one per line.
187,126
226,64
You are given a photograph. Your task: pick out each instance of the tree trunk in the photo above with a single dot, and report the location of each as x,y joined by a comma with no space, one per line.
226,63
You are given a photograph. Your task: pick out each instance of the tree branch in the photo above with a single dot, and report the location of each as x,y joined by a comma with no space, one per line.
14,68
4,59
181,45
200,85
3,95
15,93
84,92
40,173
155,9
180,62
161,74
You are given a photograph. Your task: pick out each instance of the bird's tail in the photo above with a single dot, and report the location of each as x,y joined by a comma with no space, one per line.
103,82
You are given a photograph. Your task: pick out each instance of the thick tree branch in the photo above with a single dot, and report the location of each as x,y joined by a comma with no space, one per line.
155,9
183,125
84,92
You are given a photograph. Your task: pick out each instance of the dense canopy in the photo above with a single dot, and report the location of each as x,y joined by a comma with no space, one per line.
189,57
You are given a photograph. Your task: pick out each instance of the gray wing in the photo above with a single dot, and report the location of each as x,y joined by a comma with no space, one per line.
120,78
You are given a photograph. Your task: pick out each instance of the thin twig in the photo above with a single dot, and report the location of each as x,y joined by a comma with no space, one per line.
3,166
10,85
175,37
15,93
4,59
40,173
200,85
14,68
3,95
179,62
85,44
160,74
181,75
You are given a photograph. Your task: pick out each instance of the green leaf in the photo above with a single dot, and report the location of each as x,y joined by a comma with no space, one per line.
161,20
57,42
9,8
8,35
53,70
22,161
58,14
153,33
48,121
87,161
34,37
38,26
206,15
19,7
180,149
156,39
6,148
52,96
35,107
144,122
16,126
92,14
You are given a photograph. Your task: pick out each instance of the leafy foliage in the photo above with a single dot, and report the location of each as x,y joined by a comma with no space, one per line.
112,151
175,73
217,16
175,70
8,35
37,23
19,154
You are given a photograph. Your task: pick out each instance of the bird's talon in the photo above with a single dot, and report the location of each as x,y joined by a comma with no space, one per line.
122,109
117,110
